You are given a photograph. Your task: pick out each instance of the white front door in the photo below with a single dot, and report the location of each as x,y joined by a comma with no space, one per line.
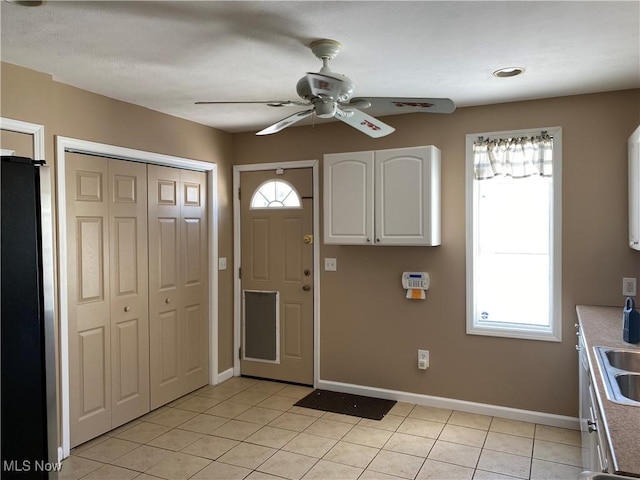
277,275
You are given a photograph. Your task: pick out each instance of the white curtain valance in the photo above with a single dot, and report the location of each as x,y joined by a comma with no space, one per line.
514,157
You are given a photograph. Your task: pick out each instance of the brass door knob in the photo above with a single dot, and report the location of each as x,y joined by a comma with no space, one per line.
306,287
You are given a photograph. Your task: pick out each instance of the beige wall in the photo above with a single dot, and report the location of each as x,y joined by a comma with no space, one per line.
67,111
370,332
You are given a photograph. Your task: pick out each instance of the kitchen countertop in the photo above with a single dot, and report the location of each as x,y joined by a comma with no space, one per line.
602,326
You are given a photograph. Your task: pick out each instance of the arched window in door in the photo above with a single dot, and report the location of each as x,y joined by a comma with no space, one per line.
275,194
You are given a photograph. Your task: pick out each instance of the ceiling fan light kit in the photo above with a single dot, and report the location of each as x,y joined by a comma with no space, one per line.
330,95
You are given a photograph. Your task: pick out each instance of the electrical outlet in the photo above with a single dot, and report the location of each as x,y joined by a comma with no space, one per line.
330,264
629,287
423,359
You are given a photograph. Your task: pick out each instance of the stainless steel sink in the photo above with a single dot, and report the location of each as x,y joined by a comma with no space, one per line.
600,476
629,386
624,360
620,370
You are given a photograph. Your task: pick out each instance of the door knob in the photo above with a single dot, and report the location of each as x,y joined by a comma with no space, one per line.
308,239
306,287
126,309
167,300
307,272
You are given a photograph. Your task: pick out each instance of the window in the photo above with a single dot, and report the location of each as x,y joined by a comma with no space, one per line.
514,234
275,194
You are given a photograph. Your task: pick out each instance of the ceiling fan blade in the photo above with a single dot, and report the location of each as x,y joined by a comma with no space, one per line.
270,103
365,123
285,122
324,85
407,105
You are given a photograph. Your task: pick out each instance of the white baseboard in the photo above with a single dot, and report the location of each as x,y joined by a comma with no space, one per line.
226,375
453,404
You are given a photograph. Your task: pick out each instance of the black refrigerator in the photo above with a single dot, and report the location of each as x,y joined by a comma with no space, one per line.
28,397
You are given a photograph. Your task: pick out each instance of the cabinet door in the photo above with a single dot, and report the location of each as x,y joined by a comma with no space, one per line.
348,198
407,196
634,190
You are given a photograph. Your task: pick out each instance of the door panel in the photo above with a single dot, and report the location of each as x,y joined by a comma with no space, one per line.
93,370
257,253
195,283
164,291
91,261
178,283
88,297
129,290
169,348
275,258
293,320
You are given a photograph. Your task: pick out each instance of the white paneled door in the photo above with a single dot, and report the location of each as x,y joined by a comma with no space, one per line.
178,279
107,294
277,275
137,289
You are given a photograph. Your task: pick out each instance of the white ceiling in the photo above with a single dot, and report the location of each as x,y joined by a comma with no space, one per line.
167,55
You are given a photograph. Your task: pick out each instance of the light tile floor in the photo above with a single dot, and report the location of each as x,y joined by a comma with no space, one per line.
246,428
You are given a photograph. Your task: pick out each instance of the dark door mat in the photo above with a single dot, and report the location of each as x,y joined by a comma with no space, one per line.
348,404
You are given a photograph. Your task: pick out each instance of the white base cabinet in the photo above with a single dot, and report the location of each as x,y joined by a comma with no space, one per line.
383,197
634,190
596,453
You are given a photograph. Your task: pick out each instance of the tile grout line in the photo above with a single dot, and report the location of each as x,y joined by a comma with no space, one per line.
228,396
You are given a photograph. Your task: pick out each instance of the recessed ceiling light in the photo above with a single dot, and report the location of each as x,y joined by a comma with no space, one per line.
28,3
508,72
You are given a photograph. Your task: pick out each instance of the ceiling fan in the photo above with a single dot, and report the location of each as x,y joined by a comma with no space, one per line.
330,94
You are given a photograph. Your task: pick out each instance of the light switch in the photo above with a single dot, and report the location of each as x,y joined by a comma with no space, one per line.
330,264
222,263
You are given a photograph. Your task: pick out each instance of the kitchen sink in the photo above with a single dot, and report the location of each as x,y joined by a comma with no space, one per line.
624,360
629,386
620,370
601,476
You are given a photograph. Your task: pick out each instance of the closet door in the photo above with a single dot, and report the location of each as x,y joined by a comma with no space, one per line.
178,265
129,290
88,297
194,279
107,288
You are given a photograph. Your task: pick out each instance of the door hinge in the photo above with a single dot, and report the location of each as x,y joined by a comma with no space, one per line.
238,194
240,352
240,272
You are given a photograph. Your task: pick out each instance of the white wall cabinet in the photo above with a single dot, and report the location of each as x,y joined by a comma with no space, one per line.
383,197
634,190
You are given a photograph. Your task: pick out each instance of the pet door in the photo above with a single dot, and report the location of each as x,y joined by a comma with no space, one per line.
260,326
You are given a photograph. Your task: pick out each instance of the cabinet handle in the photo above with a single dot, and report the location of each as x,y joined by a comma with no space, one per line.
368,240
578,347
167,300
126,309
635,242
592,426
377,239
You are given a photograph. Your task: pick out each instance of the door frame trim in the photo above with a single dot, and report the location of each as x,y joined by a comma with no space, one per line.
48,276
237,290
66,145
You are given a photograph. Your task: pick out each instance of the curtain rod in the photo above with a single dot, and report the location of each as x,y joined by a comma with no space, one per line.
543,133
